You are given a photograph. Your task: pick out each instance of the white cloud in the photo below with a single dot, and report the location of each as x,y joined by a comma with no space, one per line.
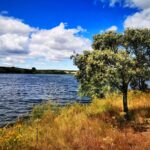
11,60
142,4
113,2
138,20
19,41
58,43
112,28
13,42
14,26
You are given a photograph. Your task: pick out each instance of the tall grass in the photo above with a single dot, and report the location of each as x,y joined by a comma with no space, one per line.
96,126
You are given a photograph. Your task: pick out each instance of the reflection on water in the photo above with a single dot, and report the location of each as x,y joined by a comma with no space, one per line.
19,92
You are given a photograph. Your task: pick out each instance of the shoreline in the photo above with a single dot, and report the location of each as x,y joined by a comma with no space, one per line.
101,121
16,70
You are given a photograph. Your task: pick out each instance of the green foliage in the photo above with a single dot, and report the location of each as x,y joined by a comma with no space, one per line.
39,110
33,70
104,71
117,60
136,42
109,40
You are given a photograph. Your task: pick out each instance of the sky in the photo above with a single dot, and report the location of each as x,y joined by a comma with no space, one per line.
45,33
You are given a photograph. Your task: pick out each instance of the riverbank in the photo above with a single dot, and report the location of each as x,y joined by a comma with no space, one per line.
16,70
99,125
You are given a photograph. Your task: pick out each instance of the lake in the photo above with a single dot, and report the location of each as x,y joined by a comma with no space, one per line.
20,92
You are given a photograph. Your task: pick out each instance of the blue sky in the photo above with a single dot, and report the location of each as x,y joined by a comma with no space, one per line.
44,33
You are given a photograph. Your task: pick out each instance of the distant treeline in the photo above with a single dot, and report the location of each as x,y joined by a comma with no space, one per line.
33,71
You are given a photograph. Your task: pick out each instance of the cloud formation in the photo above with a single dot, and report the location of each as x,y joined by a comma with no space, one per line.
111,3
142,4
140,19
19,41
58,43
10,25
112,28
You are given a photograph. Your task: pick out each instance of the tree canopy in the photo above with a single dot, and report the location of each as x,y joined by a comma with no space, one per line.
136,42
117,61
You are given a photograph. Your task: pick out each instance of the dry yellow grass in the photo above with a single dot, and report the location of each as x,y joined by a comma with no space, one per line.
96,126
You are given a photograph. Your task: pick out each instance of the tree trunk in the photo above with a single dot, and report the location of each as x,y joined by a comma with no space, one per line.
125,104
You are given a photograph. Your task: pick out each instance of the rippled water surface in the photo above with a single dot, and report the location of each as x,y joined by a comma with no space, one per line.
20,92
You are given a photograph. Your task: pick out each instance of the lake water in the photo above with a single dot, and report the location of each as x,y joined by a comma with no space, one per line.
20,92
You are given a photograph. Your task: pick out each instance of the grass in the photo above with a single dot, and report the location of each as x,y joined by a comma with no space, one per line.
96,126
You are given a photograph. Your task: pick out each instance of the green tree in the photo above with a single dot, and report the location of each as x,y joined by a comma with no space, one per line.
33,70
105,71
137,43
117,61
108,40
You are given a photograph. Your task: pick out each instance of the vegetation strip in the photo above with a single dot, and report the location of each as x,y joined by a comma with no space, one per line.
98,125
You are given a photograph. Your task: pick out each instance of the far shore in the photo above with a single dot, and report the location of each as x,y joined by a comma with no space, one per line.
16,70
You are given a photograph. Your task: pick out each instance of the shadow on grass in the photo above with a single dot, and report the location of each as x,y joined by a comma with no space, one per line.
140,118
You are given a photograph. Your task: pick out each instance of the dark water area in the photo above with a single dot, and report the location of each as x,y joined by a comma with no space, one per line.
20,92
